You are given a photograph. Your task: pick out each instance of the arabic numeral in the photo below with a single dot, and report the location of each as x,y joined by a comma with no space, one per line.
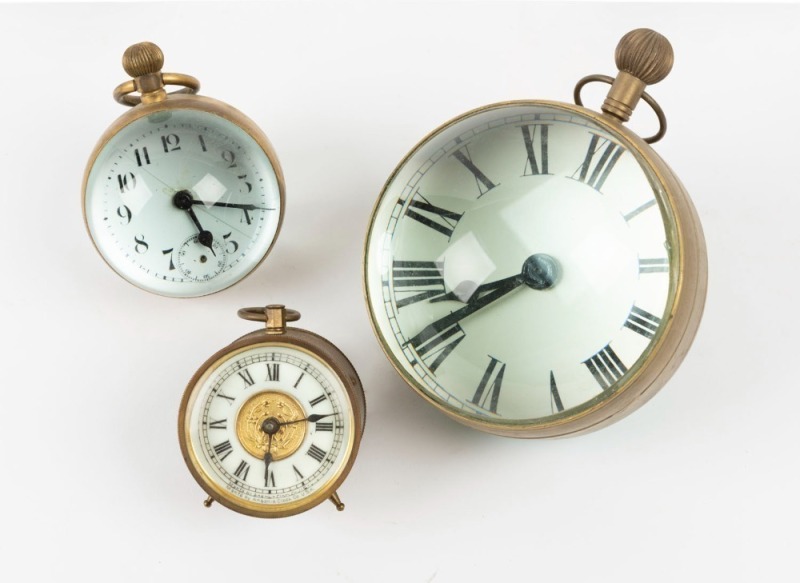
229,157
141,245
126,182
171,143
249,186
125,214
231,246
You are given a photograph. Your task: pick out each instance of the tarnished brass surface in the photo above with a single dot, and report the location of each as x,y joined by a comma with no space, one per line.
143,61
268,406
303,341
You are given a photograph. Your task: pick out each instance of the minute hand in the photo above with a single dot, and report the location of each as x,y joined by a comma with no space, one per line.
247,207
499,289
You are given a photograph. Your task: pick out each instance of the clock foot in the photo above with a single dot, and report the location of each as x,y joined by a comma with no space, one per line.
208,502
336,501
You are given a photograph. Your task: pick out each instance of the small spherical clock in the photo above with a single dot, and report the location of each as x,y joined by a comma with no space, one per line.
183,195
533,268
270,425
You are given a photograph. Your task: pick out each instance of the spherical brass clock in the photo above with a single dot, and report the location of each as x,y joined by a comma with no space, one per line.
533,268
183,195
270,425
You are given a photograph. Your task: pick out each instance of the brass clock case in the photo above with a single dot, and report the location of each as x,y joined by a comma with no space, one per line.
150,82
264,402
688,272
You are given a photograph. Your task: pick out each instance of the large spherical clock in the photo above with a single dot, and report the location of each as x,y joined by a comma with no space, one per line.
534,268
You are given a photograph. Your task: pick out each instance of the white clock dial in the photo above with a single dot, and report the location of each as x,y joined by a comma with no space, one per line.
518,265
182,202
271,425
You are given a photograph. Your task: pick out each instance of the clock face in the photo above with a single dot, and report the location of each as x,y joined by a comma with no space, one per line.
183,203
269,426
518,268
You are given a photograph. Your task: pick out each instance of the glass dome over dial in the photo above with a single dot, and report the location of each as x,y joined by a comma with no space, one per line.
523,266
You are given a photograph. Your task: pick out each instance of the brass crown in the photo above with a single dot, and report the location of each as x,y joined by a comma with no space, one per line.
142,59
645,54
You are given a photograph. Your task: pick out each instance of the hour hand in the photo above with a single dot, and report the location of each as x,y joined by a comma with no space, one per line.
464,294
205,237
184,201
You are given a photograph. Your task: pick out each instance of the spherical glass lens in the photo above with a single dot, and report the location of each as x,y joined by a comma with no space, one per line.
182,202
518,265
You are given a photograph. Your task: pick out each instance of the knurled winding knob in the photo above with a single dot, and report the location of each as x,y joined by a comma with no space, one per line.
142,59
645,54
643,57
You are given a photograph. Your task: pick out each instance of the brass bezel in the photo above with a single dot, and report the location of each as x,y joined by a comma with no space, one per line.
176,101
297,339
688,280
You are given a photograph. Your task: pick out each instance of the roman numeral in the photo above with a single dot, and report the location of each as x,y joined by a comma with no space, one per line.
242,470
639,210
529,135
417,281
492,380
654,265
484,184
270,481
435,348
300,378
297,472
224,396
440,220
316,453
606,367
642,322
554,395
220,424
223,448
324,425
603,166
246,377
317,401
273,371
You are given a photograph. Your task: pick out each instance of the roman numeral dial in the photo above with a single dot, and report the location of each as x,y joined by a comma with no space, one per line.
272,423
518,264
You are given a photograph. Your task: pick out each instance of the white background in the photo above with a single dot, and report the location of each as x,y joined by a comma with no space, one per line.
700,484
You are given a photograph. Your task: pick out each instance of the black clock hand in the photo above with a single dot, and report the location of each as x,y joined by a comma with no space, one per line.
539,271
454,296
245,207
183,201
311,419
475,303
205,237
267,461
